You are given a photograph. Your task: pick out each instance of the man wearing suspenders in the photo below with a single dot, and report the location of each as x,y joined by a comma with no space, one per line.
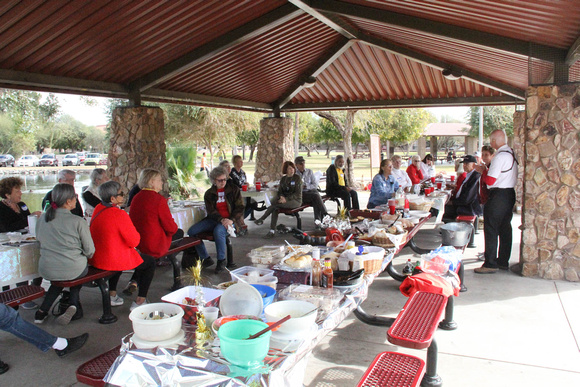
500,178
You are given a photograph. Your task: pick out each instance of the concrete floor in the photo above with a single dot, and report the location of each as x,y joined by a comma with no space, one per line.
513,331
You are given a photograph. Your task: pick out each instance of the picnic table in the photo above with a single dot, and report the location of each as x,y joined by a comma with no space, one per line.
202,365
19,263
188,214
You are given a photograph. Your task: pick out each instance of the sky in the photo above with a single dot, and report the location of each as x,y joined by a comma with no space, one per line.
95,115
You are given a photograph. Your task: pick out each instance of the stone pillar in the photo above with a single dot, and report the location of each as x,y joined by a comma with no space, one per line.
470,145
137,142
550,245
274,147
422,147
433,148
517,143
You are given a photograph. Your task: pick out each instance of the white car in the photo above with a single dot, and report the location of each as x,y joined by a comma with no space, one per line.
28,161
71,159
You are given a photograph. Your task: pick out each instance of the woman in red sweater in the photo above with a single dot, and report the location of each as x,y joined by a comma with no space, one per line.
115,239
414,170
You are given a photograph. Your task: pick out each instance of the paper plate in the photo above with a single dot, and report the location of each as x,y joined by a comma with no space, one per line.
241,298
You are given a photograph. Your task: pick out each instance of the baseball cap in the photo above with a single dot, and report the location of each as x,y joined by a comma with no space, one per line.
469,159
299,160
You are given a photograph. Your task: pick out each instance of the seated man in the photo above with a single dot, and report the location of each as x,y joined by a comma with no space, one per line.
337,184
68,177
466,200
310,193
401,176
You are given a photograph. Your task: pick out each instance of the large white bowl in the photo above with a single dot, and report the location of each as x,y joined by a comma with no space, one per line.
297,325
156,330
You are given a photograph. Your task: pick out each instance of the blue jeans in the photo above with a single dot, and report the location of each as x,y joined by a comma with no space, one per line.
10,321
219,235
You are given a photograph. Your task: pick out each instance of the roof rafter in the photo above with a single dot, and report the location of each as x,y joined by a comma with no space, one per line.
573,53
486,39
247,31
401,103
314,71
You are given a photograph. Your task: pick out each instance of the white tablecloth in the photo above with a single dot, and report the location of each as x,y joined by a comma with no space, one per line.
185,217
265,195
19,264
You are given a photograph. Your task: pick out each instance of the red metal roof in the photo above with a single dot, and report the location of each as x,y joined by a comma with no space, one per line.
257,54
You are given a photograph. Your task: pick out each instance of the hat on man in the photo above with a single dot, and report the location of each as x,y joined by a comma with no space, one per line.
299,160
469,159
477,154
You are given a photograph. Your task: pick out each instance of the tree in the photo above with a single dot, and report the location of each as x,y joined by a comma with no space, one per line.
307,135
326,133
494,118
249,137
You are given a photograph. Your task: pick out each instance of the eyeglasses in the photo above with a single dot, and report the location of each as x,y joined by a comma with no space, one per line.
121,194
221,180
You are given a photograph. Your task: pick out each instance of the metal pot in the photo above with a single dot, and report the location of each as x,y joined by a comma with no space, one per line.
456,234
314,238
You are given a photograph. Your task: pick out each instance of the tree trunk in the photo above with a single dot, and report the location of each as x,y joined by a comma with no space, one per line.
252,153
328,149
307,151
243,151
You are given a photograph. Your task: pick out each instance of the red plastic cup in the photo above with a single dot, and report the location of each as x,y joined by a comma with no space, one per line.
392,210
258,186
439,184
452,177
244,187
432,180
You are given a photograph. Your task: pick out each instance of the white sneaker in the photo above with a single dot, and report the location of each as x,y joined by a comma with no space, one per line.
116,300
135,305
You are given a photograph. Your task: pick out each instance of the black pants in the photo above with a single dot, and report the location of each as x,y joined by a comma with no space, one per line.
347,197
54,291
498,213
313,198
143,275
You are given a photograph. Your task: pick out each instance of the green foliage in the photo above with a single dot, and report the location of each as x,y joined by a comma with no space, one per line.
400,126
184,180
494,117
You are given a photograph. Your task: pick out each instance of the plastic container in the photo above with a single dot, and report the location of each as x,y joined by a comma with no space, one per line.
296,309
178,297
239,351
266,292
250,274
156,330
327,299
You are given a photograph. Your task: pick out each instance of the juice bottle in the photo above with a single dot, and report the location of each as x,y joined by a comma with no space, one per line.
327,276
316,269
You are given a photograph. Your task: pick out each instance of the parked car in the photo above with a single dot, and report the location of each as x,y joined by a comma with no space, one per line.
48,160
104,160
6,160
92,159
81,156
71,159
28,161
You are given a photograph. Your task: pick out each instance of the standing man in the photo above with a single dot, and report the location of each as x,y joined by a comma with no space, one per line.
68,177
500,178
401,176
337,184
310,193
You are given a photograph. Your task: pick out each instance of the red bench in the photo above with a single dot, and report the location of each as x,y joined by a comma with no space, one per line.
20,295
295,212
99,276
393,369
93,371
473,220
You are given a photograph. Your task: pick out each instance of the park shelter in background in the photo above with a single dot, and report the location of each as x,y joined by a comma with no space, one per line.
445,129
278,56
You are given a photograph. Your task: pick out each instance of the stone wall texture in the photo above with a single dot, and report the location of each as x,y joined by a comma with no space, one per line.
517,145
550,245
275,146
137,142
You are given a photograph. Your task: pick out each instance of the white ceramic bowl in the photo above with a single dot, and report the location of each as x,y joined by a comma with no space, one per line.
156,330
296,325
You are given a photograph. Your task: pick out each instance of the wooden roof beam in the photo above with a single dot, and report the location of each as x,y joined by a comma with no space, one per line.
573,53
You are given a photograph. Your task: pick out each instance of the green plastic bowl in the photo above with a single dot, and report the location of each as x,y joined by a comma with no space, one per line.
240,352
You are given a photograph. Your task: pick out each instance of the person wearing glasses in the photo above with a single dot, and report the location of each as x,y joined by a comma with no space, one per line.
65,176
414,170
13,211
337,184
399,174
152,218
384,185
225,208
90,194
115,239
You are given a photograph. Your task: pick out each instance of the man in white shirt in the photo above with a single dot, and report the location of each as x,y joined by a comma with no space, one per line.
401,176
310,193
501,179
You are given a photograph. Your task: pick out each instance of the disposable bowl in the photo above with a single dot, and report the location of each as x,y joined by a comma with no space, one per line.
296,309
156,330
266,292
240,352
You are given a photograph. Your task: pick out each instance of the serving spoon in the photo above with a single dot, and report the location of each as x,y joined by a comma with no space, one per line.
269,328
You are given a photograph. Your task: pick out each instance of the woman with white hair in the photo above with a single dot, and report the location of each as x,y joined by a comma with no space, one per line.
90,195
414,170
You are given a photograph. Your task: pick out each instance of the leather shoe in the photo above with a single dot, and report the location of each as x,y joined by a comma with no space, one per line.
220,266
485,270
503,267
73,344
3,367
207,262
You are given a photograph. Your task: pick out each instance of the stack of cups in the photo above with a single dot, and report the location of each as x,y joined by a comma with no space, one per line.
32,225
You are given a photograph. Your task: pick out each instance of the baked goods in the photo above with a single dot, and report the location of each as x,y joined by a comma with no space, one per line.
299,262
387,218
357,219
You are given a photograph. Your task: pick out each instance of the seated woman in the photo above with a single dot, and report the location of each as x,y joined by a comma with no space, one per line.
466,199
238,177
152,218
225,208
115,240
91,195
428,167
13,212
414,170
289,196
65,247
384,185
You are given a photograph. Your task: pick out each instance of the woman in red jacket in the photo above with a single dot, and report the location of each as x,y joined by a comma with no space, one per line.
414,170
115,239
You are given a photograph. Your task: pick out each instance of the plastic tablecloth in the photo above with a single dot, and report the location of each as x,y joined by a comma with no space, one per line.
185,217
19,264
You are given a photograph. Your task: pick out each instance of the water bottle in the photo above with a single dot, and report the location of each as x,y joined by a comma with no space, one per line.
408,269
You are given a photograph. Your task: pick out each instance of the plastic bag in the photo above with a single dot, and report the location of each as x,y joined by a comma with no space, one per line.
442,259
427,282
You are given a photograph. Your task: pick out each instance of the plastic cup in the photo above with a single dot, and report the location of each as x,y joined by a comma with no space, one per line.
392,209
244,187
258,186
439,184
32,224
211,314
452,177
432,180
